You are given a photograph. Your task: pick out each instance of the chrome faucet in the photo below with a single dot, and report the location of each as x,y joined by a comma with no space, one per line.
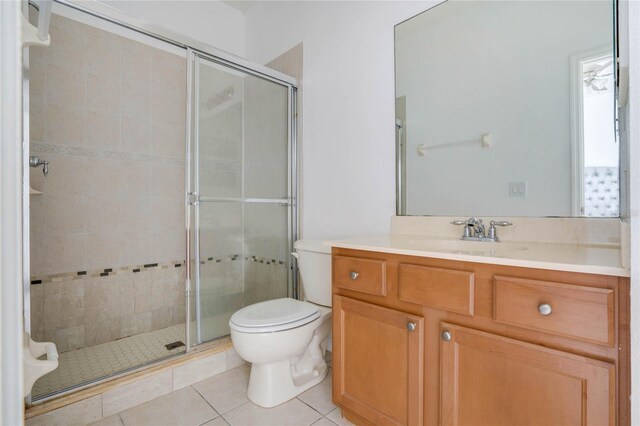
37,162
474,229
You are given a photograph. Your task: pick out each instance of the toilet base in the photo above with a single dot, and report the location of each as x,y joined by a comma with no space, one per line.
272,384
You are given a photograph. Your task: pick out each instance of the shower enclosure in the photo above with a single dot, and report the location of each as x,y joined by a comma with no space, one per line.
169,201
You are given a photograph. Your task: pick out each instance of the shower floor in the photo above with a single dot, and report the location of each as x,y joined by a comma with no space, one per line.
89,364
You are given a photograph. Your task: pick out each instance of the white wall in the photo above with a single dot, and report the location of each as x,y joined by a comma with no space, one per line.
499,67
211,22
348,105
600,147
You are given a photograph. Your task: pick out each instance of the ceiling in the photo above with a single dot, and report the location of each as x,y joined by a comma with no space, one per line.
242,5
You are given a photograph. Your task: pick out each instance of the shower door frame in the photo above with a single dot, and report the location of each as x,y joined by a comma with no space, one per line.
194,198
191,46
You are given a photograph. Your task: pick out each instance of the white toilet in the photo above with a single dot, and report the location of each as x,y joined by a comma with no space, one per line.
285,339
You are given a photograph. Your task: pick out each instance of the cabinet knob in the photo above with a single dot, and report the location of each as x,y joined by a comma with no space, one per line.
446,336
545,309
411,326
354,275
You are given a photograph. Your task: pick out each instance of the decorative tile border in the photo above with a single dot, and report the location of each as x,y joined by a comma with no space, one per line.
100,153
77,151
67,276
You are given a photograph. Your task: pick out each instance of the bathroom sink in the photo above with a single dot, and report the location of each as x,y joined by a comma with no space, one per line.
477,248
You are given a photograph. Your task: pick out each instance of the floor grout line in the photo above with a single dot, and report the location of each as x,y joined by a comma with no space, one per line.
205,400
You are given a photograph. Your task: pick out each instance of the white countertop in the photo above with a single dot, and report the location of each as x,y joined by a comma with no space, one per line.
602,259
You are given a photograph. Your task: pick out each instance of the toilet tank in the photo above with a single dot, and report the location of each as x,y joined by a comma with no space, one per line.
314,264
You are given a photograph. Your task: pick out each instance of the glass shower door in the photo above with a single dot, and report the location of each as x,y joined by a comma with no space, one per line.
241,190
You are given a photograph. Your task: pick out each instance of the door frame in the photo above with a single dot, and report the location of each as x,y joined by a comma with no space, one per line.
577,123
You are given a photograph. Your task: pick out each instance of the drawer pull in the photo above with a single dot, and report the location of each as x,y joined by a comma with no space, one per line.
545,309
411,326
446,336
354,275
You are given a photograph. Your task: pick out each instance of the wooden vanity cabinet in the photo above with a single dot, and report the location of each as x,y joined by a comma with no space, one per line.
379,370
441,342
488,379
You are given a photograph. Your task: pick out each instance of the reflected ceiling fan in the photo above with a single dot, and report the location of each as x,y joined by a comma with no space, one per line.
596,79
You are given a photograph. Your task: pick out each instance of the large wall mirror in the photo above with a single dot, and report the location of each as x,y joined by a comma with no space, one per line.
508,108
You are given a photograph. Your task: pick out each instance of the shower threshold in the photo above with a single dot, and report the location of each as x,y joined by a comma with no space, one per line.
85,366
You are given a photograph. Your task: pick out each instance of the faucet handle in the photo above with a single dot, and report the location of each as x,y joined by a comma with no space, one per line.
459,222
500,223
492,228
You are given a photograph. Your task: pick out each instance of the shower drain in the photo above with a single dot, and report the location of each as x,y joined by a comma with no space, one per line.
173,345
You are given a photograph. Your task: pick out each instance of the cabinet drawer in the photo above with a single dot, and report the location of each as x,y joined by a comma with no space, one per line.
448,289
359,274
583,313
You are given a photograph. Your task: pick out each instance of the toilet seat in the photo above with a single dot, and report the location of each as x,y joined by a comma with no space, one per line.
274,315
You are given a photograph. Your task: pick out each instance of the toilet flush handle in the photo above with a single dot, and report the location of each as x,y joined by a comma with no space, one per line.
296,255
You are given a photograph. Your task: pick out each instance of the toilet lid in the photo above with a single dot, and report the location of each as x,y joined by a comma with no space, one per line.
274,315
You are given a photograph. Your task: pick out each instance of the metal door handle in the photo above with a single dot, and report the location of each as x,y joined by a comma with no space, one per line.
446,336
411,326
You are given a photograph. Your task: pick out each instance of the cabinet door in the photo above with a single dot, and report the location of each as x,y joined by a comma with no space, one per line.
378,362
492,380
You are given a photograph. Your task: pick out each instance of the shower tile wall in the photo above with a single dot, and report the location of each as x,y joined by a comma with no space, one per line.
108,113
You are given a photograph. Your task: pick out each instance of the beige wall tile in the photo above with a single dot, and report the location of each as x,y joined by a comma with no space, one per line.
168,244
66,339
161,318
66,175
167,180
168,212
136,324
36,121
79,413
37,235
63,304
102,250
65,214
102,213
37,81
67,46
136,132
37,311
64,253
65,85
108,297
103,130
192,372
64,125
101,332
135,212
132,394
103,177
138,249
168,139
135,178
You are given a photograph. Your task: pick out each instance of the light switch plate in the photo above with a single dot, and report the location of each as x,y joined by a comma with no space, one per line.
517,189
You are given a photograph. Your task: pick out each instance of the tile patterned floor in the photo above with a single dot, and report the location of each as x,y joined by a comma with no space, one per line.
88,364
222,400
